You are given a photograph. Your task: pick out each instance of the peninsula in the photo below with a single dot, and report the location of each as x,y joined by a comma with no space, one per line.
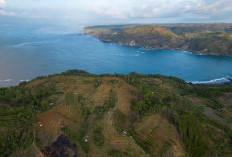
213,39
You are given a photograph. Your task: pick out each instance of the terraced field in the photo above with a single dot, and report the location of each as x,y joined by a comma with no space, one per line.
159,137
68,112
80,114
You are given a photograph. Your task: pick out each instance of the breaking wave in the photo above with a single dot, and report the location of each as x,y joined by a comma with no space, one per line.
226,79
7,80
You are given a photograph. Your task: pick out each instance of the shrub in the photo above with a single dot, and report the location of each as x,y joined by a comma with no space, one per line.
98,137
193,135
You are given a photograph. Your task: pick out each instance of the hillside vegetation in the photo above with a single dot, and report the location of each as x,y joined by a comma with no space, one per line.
198,38
158,30
80,114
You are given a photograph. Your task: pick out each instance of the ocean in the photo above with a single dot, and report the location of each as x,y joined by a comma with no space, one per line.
29,50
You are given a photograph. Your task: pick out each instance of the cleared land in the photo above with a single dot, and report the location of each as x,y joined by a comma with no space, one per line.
77,113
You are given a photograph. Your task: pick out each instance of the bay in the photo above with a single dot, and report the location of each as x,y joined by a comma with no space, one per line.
31,50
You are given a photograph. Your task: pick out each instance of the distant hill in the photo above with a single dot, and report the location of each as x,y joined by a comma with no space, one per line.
213,39
80,114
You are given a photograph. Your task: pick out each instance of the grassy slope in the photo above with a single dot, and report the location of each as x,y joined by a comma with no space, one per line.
198,38
110,115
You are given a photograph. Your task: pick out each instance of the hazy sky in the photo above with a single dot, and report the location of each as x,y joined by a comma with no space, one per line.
121,11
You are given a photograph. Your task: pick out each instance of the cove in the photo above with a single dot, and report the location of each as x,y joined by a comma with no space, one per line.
31,50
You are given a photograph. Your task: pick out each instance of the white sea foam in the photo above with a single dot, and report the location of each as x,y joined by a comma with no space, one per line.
30,43
24,80
186,52
7,80
214,81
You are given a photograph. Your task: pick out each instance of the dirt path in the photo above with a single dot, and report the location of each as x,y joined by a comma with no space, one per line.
40,154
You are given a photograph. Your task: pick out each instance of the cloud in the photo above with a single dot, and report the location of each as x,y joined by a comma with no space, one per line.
134,10
3,12
142,9
156,9
214,7
150,10
2,3
210,11
110,12
7,13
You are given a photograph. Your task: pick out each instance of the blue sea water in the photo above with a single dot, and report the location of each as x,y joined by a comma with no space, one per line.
31,50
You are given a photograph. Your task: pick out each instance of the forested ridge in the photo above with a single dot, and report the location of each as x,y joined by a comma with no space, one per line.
215,39
81,114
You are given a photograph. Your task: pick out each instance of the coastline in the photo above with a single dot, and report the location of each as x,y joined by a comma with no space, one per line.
223,80
216,81
95,35
149,48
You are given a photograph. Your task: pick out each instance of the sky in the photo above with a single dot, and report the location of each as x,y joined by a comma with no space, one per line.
120,11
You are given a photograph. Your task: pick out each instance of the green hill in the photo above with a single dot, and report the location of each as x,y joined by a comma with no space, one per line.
80,114
156,30
213,39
